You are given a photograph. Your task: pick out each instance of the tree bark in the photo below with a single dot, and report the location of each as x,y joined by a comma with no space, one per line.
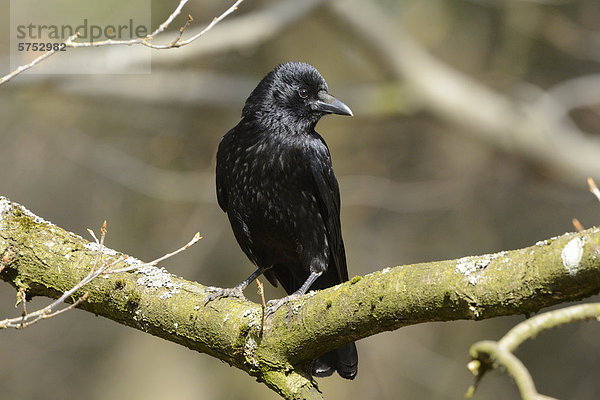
46,260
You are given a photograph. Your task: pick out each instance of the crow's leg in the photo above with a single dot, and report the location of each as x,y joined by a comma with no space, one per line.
273,305
236,291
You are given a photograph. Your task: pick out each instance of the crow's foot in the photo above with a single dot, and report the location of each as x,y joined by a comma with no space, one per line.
217,293
273,305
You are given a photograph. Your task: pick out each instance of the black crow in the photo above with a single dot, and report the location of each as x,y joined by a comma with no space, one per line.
276,184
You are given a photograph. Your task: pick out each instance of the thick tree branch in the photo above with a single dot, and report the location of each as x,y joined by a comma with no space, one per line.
47,261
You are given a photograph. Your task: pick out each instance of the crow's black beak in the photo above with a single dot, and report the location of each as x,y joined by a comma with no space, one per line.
329,104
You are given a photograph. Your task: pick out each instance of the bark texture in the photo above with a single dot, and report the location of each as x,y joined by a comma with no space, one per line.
46,260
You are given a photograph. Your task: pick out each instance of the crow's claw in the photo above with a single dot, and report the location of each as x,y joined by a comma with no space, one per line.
218,293
273,305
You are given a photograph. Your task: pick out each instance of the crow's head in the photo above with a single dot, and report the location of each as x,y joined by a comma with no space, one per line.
293,95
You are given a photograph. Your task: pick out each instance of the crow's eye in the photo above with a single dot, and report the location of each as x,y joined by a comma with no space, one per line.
303,93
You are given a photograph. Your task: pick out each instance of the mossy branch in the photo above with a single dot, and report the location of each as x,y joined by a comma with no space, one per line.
47,261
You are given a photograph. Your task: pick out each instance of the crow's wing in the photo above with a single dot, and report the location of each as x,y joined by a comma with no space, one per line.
327,193
222,166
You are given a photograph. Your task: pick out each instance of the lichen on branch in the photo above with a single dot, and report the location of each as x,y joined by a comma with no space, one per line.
45,260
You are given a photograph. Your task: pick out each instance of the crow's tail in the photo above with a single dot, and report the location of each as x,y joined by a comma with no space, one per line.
343,360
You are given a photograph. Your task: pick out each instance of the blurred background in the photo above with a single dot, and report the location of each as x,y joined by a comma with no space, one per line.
475,125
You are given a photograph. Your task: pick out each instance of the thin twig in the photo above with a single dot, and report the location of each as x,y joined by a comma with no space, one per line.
593,188
579,226
62,310
100,244
182,29
98,268
214,22
195,239
23,300
261,292
581,230
145,41
535,325
41,58
173,15
492,352
489,354
47,312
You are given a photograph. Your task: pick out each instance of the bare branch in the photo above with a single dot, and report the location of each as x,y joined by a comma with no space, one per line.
97,269
145,41
182,29
194,240
261,293
593,188
487,354
237,34
214,22
28,319
230,329
41,58
534,326
498,355
173,15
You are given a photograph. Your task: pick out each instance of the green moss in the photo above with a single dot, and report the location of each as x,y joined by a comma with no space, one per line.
244,329
26,222
133,300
